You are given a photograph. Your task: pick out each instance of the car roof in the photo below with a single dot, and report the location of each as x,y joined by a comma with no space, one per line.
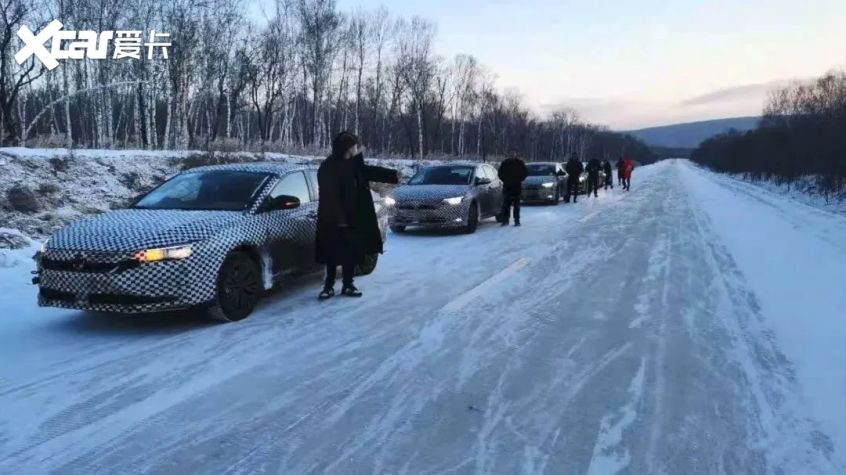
277,168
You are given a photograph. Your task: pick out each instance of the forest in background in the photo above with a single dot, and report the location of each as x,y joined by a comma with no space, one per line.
802,133
284,84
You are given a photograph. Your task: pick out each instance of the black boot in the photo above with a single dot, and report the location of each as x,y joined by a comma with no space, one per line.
350,291
327,293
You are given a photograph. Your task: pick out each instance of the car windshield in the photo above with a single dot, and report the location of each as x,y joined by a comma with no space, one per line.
212,190
443,175
541,169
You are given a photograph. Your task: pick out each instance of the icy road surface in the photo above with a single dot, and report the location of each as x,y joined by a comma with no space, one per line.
692,325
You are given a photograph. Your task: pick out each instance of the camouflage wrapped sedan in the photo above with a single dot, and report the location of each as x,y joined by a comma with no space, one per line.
447,196
212,238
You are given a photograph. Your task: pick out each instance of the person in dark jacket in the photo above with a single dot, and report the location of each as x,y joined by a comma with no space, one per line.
512,172
620,171
593,168
609,177
574,169
347,226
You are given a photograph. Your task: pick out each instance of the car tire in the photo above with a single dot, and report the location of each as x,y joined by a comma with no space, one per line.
397,228
472,219
557,197
368,266
238,288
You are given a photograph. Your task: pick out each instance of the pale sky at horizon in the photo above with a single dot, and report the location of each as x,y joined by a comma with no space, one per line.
637,64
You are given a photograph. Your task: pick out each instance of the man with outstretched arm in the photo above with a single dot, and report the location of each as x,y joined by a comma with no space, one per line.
592,169
574,169
347,227
512,172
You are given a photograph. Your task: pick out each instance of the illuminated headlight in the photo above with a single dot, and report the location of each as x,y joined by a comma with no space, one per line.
389,201
164,254
454,201
548,185
582,178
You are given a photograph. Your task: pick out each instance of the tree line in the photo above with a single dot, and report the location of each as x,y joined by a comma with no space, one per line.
285,84
802,132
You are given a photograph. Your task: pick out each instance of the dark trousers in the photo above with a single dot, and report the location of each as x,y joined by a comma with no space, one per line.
609,181
627,183
619,178
510,199
347,273
572,188
593,185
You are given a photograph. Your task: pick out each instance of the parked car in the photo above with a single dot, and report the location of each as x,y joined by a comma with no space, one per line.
547,182
211,238
447,196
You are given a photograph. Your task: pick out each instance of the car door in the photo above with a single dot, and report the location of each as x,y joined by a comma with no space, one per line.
290,233
483,193
495,190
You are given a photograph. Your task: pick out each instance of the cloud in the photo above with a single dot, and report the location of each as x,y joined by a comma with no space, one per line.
746,92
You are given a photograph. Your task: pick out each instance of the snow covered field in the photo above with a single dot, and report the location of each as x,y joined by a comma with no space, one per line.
693,325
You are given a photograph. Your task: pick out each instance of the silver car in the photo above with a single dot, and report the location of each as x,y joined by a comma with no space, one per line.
546,183
447,196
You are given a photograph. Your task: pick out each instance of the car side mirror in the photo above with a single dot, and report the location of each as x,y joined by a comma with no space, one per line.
560,173
283,202
482,181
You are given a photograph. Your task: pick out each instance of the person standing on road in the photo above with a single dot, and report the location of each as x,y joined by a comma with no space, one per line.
619,167
347,226
609,177
628,167
574,169
592,169
512,172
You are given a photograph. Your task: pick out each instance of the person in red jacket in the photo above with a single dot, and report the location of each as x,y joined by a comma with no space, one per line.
628,166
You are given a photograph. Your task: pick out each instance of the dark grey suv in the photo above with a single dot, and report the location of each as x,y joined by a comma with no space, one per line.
447,196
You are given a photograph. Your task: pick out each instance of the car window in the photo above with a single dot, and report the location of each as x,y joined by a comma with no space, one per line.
489,172
293,184
443,175
220,190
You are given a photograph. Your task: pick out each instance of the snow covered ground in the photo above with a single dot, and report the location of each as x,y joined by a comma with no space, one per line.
692,325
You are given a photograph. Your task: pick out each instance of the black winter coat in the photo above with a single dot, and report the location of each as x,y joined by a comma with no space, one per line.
619,165
593,168
606,167
574,169
345,201
512,172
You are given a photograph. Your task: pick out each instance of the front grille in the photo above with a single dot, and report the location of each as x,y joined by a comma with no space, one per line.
88,266
417,206
94,262
117,299
56,295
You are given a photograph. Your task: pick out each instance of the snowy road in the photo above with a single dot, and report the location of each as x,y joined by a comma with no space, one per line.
693,325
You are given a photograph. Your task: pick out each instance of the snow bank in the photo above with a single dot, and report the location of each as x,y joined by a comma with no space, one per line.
804,190
61,185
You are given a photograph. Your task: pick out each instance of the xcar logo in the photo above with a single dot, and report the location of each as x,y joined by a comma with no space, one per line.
82,44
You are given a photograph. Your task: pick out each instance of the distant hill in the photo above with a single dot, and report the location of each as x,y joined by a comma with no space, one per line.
691,134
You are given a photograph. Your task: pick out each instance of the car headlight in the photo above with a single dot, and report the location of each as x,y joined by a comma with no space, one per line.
454,201
389,201
582,178
548,185
164,254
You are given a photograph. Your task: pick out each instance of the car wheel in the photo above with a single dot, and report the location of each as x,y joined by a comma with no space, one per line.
472,219
557,197
397,228
368,266
238,288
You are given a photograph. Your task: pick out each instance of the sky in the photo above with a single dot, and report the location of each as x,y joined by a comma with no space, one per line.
636,63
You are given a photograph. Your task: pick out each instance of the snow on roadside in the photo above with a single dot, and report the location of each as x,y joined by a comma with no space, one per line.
804,190
777,244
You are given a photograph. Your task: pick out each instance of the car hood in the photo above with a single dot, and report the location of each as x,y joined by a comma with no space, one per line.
538,180
429,192
133,230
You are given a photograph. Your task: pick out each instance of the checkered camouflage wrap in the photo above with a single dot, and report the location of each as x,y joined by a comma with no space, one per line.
423,205
92,265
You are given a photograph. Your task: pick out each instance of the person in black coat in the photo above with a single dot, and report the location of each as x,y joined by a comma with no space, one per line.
512,172
347,226
593,168
609,177
620,171
574,169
